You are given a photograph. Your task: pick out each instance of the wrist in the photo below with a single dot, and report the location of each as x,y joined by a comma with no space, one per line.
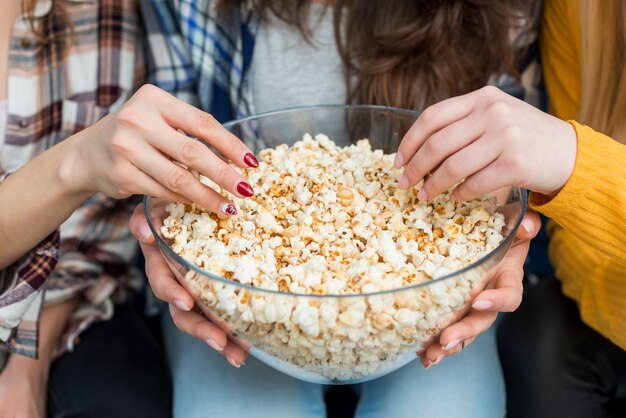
35,370
72,173
566,153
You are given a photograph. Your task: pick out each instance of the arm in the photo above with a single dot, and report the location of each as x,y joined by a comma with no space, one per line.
491,140
599,174
592,203
23,200
23,381
125,153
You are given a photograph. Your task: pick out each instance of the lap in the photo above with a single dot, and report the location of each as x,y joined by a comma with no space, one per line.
469,384
205,384
554,364
117,370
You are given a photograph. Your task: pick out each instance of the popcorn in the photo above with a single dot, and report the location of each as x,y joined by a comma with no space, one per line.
331,221
307,317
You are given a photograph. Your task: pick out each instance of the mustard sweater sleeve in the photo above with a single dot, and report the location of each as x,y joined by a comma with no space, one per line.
592,204
586,247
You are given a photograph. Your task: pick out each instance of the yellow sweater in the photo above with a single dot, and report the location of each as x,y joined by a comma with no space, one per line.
588,231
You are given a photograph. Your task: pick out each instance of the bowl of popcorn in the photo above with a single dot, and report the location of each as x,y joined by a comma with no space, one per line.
330,273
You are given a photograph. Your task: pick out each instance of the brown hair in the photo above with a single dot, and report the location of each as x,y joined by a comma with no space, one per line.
58,15
412,53
603,98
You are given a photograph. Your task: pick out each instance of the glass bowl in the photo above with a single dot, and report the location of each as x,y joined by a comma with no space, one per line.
335,339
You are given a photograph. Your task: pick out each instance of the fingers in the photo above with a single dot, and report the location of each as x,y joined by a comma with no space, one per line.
139,226
181,182
531,224
205,127
438,353
162,280
440,146
440,115
507,290
507,295
493,177
455,168
149,186
166,287
433,119
198,326
504,294
474,324
195,154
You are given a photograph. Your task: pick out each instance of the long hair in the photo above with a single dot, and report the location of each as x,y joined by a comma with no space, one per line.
412,53
57,16
603,98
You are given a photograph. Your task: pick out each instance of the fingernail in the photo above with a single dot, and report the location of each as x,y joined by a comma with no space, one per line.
245,189
452,344
144,231
398,161
482,304
422,195
215,346
228,209
250,160
182,305
232,362
527,224
404,182
441,356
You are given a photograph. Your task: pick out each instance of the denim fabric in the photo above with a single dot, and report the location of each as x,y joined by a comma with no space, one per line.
467,385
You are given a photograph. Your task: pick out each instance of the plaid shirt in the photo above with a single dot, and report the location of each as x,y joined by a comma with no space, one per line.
204,57
56,89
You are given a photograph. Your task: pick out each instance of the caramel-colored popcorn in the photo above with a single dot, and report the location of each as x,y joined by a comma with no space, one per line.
331,221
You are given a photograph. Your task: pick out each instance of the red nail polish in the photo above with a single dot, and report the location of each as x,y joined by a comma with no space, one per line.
245,189
231,210
250,160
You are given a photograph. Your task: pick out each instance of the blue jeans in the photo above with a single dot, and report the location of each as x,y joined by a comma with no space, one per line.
466,385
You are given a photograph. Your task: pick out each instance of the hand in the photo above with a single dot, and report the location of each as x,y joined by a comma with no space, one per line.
130,152
491,140
166,287
503,294
23,388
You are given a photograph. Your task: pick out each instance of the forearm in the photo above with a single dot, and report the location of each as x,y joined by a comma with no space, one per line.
52,323
35,200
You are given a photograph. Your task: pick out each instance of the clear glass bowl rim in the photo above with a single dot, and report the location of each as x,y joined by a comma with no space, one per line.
163,245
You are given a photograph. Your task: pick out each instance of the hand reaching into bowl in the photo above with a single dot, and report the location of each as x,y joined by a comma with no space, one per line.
491,140
131,152
136,150
167,288
503,294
